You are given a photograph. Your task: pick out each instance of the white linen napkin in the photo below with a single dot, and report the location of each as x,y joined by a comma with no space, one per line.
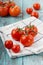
36,48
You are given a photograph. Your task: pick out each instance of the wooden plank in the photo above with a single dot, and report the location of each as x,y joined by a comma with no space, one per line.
33,60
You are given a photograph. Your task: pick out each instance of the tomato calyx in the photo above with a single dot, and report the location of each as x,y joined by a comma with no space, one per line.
12,6
30,26
31,30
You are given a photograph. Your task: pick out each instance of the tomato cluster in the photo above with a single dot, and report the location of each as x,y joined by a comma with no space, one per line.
9,45
9,8
25,36
30,11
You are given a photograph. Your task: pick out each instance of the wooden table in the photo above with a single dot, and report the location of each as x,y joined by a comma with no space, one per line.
27,60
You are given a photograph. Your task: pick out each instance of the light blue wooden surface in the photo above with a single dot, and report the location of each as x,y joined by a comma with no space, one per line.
27,60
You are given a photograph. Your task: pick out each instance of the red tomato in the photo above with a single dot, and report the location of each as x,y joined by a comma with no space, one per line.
32,30
27,40
14,11
35,14
5,4
1,2
29,10
8,44
16,48
4,10
16,33
10,3
36,6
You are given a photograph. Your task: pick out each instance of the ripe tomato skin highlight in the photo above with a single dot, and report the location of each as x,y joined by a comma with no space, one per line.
4,10
27,40
35,14
29,10
8,44
14,11
16,48
36,6
16,34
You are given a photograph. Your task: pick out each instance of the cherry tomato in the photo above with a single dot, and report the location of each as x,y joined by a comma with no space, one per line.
1,2
36,6
8,44
35,14
29,10
4,10
16,33
27,40
14,11
32,30
16,48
